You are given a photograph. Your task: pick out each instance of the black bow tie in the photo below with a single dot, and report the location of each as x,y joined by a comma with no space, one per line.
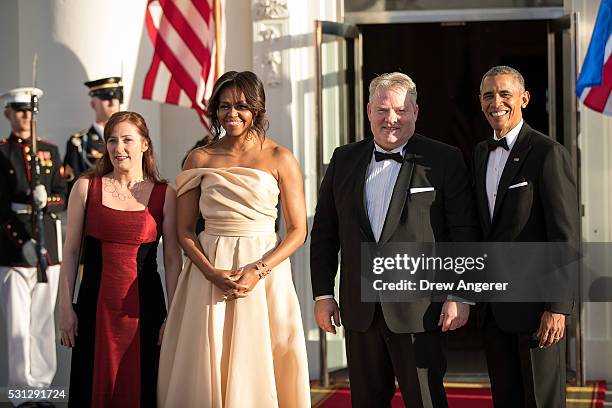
380,156
495,143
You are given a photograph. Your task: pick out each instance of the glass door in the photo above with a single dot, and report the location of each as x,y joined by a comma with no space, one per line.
339,121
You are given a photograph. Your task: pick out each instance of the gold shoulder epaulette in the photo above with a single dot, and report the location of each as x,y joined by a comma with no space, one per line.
79,134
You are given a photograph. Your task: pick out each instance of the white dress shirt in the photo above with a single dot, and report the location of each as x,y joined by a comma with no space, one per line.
379,183
496,163
380,180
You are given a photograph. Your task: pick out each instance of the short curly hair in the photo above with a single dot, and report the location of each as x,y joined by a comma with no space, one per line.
503,70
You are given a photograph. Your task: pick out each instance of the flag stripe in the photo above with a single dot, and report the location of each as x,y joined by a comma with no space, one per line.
205,9
162,80
153,22
608,108
598,96
149,82
184,29
595,81
591,71
180,50
174,91
199,25
176,68
184,100
184,34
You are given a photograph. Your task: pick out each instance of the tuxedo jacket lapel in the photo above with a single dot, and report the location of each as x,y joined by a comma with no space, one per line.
398,198
359,196
480,179
515,161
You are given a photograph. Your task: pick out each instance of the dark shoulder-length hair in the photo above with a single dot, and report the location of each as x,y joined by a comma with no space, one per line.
251,86
149,166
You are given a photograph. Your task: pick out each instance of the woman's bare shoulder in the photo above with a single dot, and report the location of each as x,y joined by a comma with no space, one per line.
79,191
198,157
281,154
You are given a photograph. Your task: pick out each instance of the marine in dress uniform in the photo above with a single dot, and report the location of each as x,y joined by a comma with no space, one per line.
28,305
84,148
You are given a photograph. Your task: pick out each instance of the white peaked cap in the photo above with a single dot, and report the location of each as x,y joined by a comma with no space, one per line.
20,95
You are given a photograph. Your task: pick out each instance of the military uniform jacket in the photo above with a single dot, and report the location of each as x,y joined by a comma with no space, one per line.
15,198
82,153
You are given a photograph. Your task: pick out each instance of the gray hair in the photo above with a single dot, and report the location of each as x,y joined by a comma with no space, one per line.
393,80
503,70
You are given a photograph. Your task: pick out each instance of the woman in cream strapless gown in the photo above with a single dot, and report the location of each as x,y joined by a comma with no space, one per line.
234,336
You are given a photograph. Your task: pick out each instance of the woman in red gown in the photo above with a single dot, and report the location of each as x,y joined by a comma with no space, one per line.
122,208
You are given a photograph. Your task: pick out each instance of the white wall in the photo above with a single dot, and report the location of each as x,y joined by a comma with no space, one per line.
76,40
9,48
595,142
80,40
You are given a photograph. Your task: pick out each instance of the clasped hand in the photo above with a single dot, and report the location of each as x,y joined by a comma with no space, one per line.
454,315
237,283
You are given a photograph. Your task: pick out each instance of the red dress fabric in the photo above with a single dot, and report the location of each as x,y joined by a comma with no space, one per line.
127,290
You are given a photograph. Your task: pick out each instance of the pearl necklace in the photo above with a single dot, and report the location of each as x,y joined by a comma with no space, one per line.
114,188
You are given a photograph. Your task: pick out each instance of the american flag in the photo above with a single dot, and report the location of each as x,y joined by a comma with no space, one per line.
595,81
187,36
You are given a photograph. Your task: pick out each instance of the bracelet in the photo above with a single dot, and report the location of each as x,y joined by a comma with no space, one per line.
262,269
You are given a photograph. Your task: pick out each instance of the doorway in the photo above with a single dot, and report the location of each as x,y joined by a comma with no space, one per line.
446,56
447,61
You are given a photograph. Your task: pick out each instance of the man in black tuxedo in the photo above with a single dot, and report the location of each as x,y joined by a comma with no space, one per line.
399,187
525,192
